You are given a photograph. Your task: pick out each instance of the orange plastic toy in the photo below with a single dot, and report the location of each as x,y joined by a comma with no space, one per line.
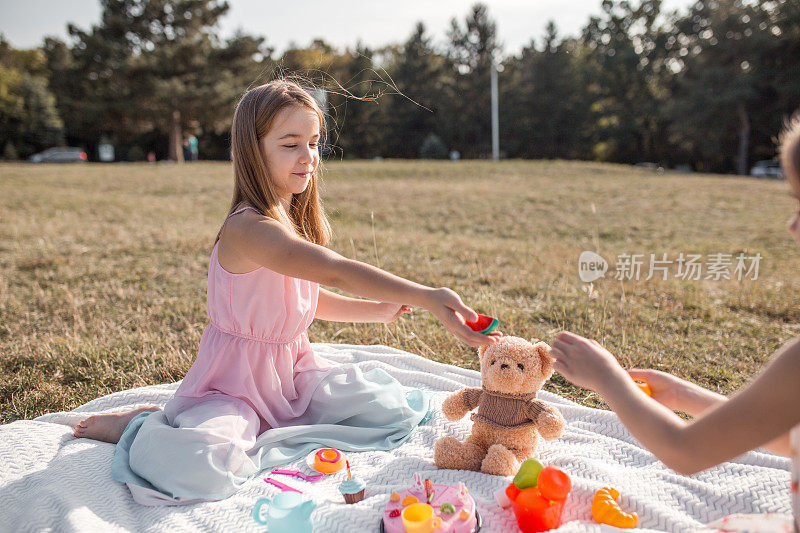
606,510
645,388
328,460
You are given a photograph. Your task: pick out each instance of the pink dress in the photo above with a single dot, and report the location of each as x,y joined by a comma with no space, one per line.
255,348
257,396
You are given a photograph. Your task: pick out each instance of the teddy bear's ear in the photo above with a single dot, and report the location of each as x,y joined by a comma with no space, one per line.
543,350
481,350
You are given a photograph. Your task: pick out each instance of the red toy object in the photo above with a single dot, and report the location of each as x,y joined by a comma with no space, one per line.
484,324
512,491
539,508
534,512
554,483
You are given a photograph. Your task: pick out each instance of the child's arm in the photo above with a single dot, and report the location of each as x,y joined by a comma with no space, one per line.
338,308
761,412
267,242
676,393
682,395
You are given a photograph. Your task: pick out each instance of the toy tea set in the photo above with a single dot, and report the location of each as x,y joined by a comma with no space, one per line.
289,511
508,421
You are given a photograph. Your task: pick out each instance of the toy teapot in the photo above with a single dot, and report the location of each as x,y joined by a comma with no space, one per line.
288,513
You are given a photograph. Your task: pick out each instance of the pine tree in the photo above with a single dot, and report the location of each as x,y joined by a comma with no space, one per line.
472,54
29,121
153,64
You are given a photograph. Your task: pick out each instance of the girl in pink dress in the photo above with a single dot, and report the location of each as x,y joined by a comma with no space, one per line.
257,395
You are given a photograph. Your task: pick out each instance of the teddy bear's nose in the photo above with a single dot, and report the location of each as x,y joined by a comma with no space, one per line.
503,366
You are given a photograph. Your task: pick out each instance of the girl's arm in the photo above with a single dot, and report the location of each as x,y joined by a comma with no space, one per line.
761,412
338,308
681,395
267,242
676,393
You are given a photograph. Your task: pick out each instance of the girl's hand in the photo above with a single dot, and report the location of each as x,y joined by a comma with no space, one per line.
677,394
388,312
447,306
666,388
584,362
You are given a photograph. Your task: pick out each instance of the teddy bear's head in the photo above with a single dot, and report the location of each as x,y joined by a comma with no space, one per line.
514,365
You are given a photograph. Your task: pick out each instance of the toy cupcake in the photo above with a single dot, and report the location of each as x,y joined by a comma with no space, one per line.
352,488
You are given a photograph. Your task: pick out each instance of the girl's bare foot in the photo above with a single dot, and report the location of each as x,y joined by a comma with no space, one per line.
108,427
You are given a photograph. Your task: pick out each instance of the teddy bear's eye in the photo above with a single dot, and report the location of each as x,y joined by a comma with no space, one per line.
493,362
520,366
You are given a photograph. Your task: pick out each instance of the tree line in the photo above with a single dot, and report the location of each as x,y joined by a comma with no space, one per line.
707,88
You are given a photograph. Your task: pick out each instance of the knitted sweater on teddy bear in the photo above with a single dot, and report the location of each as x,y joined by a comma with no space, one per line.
502,410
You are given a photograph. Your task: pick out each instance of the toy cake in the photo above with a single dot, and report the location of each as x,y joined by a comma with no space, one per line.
353,487
453,507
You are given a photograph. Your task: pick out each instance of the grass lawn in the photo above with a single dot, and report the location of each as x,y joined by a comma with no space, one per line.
103,268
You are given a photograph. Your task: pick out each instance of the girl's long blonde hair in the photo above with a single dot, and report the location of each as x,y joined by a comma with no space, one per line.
252,185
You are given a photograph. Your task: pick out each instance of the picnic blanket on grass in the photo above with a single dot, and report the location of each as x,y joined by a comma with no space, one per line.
50,480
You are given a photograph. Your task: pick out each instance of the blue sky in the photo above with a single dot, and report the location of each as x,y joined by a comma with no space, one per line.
342,23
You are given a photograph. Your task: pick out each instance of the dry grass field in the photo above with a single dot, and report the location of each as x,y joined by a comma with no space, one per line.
103,267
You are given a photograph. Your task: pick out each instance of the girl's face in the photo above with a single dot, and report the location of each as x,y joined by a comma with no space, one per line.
290,149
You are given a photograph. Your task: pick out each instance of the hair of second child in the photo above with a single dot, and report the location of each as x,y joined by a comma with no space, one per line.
790,149
254,116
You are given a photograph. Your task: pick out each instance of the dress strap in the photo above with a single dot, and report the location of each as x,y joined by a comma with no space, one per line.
241,209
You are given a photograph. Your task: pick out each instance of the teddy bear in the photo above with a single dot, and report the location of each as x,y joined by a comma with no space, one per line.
509,415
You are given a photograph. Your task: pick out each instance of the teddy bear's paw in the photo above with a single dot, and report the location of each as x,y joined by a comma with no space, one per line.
551,425
453,407
454,455
499,461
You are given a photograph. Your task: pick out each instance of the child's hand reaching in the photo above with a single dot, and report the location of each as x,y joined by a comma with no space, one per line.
677,394
666,388
447,306
585,363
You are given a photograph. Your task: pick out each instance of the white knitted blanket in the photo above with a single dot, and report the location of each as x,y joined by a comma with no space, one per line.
51,481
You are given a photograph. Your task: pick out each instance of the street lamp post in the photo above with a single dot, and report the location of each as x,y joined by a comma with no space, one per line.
495,117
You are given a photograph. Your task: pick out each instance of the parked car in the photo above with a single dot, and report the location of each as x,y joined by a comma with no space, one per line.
66,154
655,167
767,169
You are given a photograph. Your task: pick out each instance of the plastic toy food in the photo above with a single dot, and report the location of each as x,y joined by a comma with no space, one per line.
429,492
352,488
606,510
528,474
408,500
534,512
554,483
539,505
645,388
484,324
451,507
328,460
